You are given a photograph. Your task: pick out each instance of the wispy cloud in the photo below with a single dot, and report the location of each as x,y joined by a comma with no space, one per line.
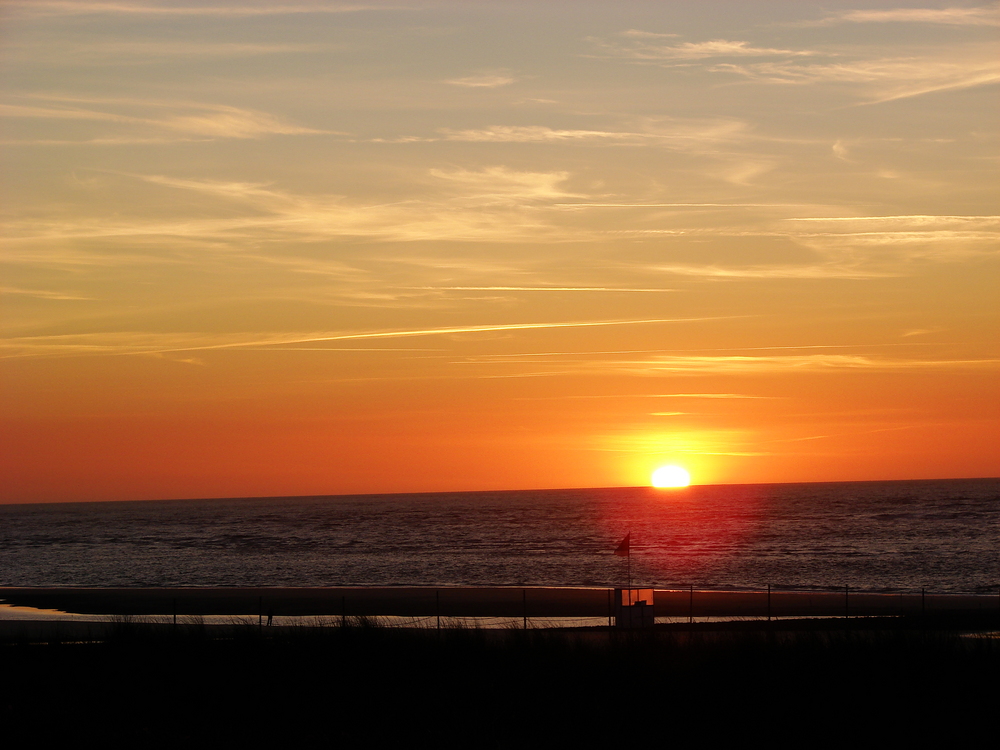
721,141
501,327
915,237
119,343
716,48
482,81
788,363
859,247
706,395
41,293
626,396
923,331
913,221
927,241
491,204
187,118
877,77
638,33
800,359
987,15
682,134
532,134
803,271
96,7
679,205
132,53
494,184
544,289
880,80
741,365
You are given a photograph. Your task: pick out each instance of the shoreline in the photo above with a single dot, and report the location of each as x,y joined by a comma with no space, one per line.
479,602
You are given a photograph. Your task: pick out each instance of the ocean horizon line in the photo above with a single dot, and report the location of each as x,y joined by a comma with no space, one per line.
355,495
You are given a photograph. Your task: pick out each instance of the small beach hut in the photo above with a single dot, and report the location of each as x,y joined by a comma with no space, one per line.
633,608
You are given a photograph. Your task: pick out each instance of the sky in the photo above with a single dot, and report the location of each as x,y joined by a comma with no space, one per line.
295,248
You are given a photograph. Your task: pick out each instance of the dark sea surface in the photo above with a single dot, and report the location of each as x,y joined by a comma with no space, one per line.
877,536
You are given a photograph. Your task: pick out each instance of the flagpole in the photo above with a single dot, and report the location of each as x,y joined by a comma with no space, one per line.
625,550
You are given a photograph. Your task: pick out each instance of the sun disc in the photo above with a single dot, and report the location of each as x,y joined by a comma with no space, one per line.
671,476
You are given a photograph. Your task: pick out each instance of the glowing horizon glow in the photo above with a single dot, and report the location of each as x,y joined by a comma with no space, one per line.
666,477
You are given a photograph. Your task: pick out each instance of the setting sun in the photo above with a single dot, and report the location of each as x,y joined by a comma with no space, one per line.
671,476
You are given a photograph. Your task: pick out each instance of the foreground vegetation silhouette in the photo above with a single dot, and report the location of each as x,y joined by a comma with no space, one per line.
359,682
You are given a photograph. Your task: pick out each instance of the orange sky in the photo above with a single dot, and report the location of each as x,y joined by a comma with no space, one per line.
315,248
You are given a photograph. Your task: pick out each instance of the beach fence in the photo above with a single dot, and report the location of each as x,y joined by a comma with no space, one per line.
510,607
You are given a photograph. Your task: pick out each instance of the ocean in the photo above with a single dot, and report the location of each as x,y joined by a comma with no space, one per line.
901,536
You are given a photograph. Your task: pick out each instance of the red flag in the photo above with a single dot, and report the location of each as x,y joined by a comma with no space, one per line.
623,548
